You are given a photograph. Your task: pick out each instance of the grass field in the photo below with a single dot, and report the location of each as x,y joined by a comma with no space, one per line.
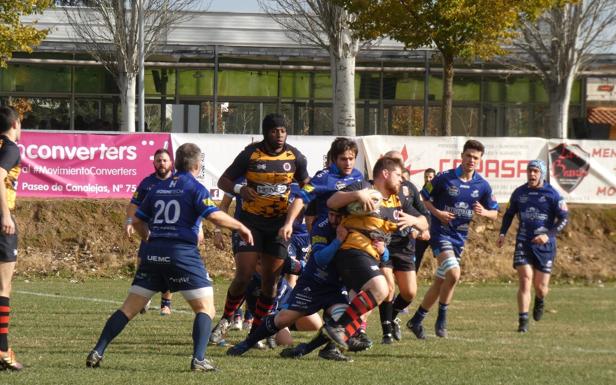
56,322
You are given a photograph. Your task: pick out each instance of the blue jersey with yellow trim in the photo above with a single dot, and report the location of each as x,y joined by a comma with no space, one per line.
540,211
447,192
174,208
144,188
324,184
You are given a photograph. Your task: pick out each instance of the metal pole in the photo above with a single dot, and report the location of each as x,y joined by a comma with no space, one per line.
215,92
140,85
426,115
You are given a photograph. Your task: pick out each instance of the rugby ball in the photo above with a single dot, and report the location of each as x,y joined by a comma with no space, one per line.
356,208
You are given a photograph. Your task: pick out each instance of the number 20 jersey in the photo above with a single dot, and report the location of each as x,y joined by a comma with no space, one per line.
174,208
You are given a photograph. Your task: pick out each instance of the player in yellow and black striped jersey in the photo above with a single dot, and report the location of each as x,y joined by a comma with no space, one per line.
269,168
10,131
357,261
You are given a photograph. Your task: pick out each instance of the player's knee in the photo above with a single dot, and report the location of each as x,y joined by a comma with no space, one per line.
541,289
449,269
378,287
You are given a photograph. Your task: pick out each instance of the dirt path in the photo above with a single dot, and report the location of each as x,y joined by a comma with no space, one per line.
84,238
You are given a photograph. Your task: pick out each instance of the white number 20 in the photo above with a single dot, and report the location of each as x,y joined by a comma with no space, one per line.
167,212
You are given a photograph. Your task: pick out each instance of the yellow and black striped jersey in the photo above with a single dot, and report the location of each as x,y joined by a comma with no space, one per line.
9,160
361,227
270,175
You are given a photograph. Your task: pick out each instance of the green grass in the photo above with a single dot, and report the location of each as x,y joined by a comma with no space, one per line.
574,344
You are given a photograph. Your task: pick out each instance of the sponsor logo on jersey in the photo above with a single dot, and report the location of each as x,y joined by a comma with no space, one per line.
543,199
475,194
563,205
308,188
158,259
261,166
523,198
569,165
271,189
340,185
405,191
453,191
532,214
286,166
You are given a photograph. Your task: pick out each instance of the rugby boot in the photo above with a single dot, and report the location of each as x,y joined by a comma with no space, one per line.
8,361
94,359
359,342
296,352
332,353
417,329
388,339
220,331
538,310
203,365
522,325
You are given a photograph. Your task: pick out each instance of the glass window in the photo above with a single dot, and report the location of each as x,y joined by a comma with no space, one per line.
248,83
159,81
407,88
295,85
29,78
493,90
322,86
406,120
47,114
94,80
517,120
94,115
464,89
195,82
518,91
465,121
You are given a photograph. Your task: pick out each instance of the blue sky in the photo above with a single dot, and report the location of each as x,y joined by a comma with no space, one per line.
234,6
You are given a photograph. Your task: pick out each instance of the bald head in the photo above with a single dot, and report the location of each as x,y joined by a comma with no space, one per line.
394,154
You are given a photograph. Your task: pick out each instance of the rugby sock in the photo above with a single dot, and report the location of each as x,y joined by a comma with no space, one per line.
165,302
441,319
362,303
115,324
5,310
267,328
247,315
538,301
264,306
363,327
202,326
523,316
232,303
315,343
419,316
386,311
399,305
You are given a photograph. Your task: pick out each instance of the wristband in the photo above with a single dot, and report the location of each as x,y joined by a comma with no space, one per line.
129,221
237,188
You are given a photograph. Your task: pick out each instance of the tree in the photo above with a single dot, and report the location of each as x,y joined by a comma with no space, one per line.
108,30
559,44
14,35
325,24
464,29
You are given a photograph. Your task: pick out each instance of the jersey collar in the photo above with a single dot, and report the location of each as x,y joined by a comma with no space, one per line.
459,172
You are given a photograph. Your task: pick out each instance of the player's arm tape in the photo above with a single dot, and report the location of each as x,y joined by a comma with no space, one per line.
237,188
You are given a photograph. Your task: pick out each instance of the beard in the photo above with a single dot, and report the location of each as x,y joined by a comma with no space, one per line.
163,172
392,188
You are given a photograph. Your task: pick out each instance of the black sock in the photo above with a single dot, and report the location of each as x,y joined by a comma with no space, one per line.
265,329
115,324
385,311
399,305
316,342
5,310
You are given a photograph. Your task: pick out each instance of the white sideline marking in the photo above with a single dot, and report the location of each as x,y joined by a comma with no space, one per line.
87,299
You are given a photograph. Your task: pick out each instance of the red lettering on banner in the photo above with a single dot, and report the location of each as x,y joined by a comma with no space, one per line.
491,168
604,153
606,191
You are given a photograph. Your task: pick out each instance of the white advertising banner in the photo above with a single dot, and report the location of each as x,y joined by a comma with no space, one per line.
584,171
503,164
220,151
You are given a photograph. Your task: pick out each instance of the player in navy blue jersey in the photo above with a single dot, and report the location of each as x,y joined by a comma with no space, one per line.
542,213
168,220
299,244
452,197
340,173
319,287
163,167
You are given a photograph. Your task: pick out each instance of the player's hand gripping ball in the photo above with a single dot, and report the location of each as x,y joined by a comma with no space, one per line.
357,207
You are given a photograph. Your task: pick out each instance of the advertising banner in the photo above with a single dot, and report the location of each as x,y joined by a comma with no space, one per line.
55,165
503,165
219,151
584,171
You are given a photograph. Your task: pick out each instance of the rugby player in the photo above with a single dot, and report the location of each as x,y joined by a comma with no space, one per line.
10,132
452,198
163,167
269,167
318,287
357,261
400,268
542,213
168,219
